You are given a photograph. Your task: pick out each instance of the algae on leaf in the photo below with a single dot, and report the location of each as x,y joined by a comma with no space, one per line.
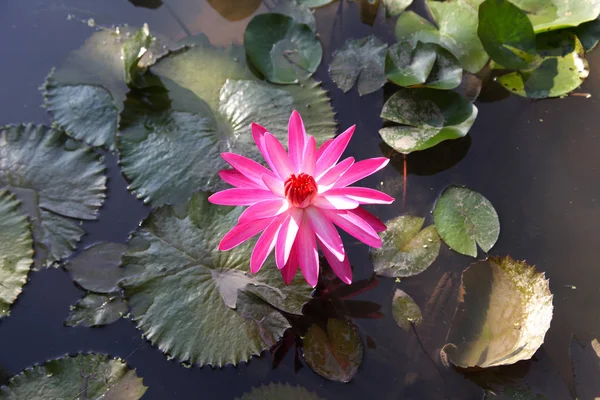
504,311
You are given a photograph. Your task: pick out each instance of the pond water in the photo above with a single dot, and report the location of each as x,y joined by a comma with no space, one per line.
536,161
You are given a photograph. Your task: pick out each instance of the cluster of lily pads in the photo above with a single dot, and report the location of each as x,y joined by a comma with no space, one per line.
169,109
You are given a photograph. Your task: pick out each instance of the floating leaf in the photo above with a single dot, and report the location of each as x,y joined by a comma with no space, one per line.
296,10
97,310
396,7
547,15
430,116
504,311
97,267
411,63
507,34
362,61
132,52
57,180
563,70
282,49
588,34
586,367
278,391
235,10
16,251
199,304
95,376
405,311
334,354
410,26
407,250
465,219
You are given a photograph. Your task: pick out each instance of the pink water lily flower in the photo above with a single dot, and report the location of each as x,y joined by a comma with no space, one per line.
299,201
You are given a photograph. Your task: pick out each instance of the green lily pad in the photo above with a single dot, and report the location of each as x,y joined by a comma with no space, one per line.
394,8
465,219
362,61
405,311
93,376
197,303
97,310
97,268
16,251
132,51
548,15
420,64
278,391
282,49
507,34
429,117
586,367
407,250
563,69
410,26
504,311
334,354
297,10
58,182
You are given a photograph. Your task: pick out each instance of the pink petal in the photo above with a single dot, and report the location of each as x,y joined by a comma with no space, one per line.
296,140
250,168
258,134
308,257
326,232
333,152
361,170
288,272
370,219
321,149
342,269
263,209
334,202
275,185
362,195
310,156
287,236
279,157
242,232
265,243
355,226
241,197
235,178
327,180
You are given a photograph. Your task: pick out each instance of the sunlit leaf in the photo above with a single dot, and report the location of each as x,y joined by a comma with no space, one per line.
279,391
58,183
428,116
404,310
507,34
547,15
95,376
336,353
235,10
563,70
16,250
396,7
97,267
362,61
412,63
282,49
504,311
97,310
407,250
197,303
297,10
465,219
132,51
410,26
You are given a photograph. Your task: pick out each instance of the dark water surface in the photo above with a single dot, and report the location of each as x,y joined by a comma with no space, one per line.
537,162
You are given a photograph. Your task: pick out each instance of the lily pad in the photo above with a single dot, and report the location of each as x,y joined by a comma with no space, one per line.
16,251
429,117
588,34
411,26
97,310
405,311
465,219
420,64
507,34
504,311
282,49
548,15
97,267
563,69
334,354
96,376
586,367
396,7
58,181
132,51
278,391
199,304
297,10
407,250
362,61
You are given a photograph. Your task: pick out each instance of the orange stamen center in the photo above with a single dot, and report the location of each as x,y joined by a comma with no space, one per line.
300,190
